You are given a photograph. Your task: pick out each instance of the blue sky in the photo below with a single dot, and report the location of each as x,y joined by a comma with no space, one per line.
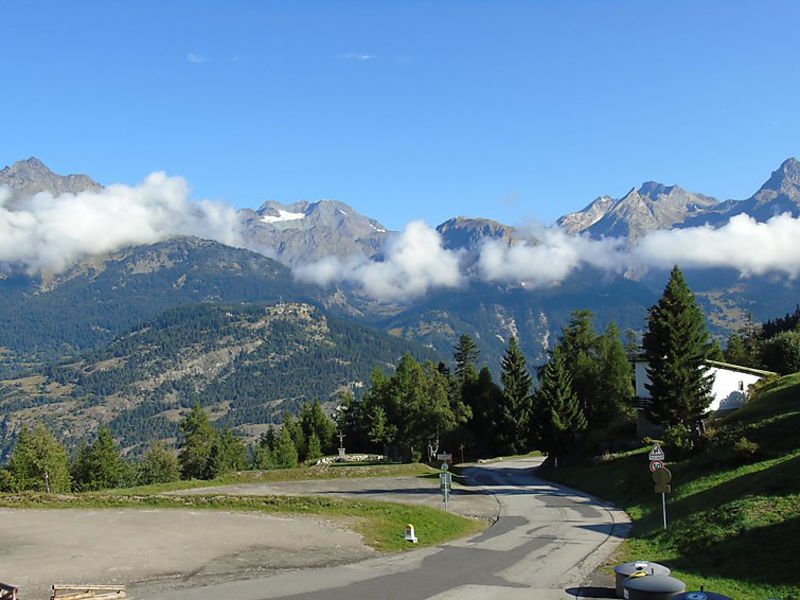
406,110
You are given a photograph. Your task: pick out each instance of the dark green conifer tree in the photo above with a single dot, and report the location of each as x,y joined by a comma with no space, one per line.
557,418
515,402
197,439
466,354
98,466
677,345
285,455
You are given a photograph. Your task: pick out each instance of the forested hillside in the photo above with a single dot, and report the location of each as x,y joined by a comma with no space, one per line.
245,363
96,300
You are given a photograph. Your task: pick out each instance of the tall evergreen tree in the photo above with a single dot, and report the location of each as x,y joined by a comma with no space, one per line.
39,462
232,454
98,466
315,422
676,345
580,353
515,401
599,369
198,437
466,354
484,398
263,458
614,386
557,418
285,454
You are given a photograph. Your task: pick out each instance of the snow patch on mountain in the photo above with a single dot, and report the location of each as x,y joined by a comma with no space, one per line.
283,215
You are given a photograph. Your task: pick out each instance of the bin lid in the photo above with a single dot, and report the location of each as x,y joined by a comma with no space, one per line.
655,583
651,568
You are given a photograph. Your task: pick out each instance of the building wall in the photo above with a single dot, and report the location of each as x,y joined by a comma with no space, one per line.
729,389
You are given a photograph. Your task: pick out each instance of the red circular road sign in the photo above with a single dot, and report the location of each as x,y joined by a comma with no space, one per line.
655,465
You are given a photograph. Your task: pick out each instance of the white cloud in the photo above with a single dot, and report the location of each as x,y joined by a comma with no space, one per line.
415,260
356,56
548,261
197,59
414,263
743,243
48,233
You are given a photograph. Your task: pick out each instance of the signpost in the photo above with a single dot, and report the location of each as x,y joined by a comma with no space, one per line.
661,477
656,453
445,483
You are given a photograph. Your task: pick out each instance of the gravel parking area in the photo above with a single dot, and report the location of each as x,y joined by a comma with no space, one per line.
162,549
172,547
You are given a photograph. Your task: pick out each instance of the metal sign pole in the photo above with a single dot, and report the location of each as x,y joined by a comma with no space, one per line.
664,507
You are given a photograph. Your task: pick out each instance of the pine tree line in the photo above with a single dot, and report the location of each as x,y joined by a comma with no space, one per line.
39,462
580,405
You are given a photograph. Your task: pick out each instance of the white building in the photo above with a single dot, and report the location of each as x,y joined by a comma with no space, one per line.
731,383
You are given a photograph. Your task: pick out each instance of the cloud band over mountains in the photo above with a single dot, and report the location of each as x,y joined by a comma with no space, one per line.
744,244
47,233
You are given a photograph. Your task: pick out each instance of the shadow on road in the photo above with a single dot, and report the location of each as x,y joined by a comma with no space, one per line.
591,592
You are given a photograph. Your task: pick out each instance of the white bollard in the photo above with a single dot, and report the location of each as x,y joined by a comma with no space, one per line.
410,537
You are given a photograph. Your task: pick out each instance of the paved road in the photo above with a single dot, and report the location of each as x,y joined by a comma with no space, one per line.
544,546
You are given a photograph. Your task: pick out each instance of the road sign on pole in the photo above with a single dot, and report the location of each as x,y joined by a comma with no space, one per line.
445,484
656,464
656,453
662,477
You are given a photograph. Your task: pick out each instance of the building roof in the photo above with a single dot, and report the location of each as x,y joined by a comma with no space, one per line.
722,365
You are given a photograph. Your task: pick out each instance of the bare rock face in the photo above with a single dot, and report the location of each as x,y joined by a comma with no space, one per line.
653,206
780,194
465,233
582,220
308,231
656,206
26,178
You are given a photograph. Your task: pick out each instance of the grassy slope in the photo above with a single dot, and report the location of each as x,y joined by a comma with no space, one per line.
734,522
381,523
332,471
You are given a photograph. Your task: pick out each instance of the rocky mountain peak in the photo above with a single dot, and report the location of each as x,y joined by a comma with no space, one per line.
654,190
466,232
307,231
32,176
786,178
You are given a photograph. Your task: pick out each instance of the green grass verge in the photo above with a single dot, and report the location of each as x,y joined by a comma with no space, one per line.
734,520
382,524
333,471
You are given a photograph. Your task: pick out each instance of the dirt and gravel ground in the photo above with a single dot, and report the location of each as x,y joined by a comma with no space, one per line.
175,547
163,549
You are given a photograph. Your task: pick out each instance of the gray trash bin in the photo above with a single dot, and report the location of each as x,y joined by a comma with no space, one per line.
625,570
701,596
652,587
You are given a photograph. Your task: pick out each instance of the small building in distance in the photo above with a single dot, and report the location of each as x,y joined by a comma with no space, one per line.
731,384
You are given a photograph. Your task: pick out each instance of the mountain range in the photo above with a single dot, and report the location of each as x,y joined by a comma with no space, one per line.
655,206
87,345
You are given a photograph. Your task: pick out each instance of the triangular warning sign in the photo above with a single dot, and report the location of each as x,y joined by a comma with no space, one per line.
656,453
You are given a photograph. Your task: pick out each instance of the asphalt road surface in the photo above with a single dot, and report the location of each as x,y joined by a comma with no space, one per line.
545,545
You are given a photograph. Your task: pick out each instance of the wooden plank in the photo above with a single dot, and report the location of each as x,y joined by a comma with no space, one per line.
64,591
100,587
8,592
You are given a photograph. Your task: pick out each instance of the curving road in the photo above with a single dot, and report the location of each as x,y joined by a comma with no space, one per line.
546,543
